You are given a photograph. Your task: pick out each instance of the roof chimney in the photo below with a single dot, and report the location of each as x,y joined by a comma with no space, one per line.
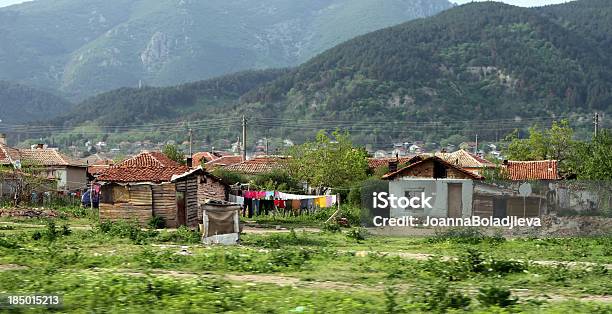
2,138
189,162
393,165
505,162
40,146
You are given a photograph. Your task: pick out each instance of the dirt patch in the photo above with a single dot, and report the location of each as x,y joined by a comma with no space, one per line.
28,213
11,267
255,230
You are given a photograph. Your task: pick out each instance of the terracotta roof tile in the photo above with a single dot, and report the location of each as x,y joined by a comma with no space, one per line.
8,155
140,174
533,170
393,175
375,163
223,161
464,159
47,157
144,167
257,165
149,159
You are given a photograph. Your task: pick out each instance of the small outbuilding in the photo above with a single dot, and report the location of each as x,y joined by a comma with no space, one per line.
150,184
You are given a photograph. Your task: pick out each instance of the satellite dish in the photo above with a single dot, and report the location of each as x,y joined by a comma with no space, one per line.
525,189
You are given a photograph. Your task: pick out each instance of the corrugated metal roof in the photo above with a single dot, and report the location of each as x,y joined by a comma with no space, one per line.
533,170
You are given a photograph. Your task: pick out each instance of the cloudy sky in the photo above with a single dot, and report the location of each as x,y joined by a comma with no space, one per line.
523,3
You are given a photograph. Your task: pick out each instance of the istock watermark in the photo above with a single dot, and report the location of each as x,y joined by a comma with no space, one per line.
384,200
509,222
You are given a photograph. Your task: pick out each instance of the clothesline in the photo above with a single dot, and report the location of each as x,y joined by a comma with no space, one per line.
264,202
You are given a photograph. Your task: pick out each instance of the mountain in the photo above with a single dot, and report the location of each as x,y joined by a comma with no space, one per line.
83,47
423,79
21,104
128,106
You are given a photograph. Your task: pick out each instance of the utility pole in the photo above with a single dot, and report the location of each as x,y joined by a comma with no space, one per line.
190,143
267,154
476,147
244,137
596,123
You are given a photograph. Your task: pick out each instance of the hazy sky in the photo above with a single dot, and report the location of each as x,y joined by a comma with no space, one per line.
523,3
4,3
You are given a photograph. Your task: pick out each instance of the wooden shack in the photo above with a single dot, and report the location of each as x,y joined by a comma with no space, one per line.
150,184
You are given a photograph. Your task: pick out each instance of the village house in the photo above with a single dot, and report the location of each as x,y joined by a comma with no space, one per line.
150,184
467,161
70,174
450,186
47,163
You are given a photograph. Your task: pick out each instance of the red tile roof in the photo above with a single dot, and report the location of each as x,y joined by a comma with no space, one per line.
223,161
149,159
140,174
8,155
393,175
257,165
47,157
144,167
533,170
375,163
465,159
207,157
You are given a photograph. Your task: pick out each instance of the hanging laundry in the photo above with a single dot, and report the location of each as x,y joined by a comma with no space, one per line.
321,202
266,206
269,195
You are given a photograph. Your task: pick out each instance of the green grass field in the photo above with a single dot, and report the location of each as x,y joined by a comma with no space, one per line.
118,267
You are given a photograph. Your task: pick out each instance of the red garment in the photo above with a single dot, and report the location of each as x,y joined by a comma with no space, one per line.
279,203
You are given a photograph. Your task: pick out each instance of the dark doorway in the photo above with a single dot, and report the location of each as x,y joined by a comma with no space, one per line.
499,207
455,200
180,209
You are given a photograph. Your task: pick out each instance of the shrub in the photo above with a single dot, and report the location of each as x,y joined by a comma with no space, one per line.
464,235
130,230
157,222
37,235
332,227
181,235
439,298
66,230
497,296
5,243
358,234
51,231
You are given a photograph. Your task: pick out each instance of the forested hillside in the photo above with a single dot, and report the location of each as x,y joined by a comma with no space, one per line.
83,47
20,104
418,80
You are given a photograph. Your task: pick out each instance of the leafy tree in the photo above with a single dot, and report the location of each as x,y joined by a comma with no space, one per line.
556,143
229,177
593,160
329,161
279,180
172,152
